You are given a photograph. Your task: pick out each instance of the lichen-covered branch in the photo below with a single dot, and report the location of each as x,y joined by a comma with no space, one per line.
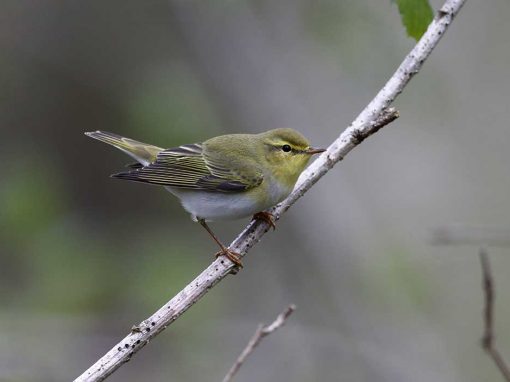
376,115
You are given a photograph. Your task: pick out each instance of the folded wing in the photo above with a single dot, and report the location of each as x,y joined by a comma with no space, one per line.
188,167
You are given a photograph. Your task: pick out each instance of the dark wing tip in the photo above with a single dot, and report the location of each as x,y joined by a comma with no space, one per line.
134,165
213,182
137,176
232,186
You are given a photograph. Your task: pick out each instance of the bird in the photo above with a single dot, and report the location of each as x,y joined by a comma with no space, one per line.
223,178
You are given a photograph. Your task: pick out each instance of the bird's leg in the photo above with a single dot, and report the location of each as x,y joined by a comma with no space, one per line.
231,255
267,217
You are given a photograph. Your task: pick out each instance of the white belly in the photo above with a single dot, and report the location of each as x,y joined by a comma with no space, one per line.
227,206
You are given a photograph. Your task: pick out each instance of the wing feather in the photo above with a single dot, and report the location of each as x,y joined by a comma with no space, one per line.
189,167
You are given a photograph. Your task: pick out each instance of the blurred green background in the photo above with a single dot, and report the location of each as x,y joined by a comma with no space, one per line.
84,257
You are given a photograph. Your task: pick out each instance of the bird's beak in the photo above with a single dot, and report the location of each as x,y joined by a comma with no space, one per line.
312,151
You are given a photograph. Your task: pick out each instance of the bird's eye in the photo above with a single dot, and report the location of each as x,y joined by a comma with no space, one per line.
286,148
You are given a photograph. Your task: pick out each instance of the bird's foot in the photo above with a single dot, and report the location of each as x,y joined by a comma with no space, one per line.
266,217
231,255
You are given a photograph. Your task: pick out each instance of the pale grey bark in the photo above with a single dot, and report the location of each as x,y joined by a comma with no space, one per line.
370,120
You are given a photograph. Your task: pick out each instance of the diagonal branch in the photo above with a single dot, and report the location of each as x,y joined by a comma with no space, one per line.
261,332
488,342
376,115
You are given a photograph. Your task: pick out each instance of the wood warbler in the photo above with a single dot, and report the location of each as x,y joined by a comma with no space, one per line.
226,177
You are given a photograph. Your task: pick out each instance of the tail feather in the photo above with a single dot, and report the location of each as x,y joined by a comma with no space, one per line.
141,152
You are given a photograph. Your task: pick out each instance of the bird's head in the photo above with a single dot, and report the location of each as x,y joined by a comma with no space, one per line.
287,153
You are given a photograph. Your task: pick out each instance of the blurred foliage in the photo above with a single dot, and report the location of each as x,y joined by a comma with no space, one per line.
329,23
416,16
33,199
394,279
171,98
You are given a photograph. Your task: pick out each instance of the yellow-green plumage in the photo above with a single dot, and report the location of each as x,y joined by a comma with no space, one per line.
141,152
229,176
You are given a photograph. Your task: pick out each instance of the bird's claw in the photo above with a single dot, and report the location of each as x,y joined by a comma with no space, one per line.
266,217
232,256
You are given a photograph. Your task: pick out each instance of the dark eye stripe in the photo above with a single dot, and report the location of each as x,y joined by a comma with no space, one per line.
278,148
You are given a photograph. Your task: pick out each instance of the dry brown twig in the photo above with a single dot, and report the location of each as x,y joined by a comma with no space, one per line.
261,332
488,339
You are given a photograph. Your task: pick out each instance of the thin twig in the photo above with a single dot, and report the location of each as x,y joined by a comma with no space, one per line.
261,332
363,126
488,339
